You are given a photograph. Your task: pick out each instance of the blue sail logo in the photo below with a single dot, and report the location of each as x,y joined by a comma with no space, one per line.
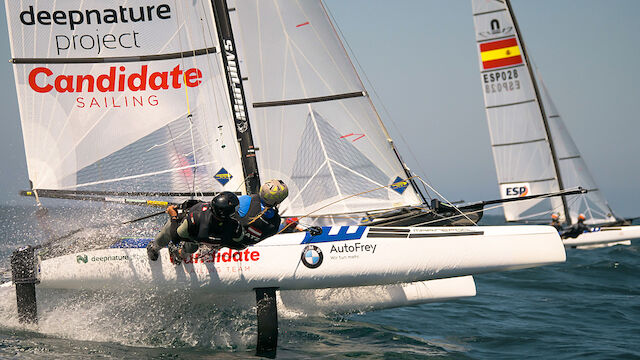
223,176
399,185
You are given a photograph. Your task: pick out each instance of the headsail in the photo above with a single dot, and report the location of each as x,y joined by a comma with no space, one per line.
127,98
532,150
313,122
574,170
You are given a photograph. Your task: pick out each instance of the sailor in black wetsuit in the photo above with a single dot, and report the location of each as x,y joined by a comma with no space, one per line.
576,229
258,213
555,221
201,223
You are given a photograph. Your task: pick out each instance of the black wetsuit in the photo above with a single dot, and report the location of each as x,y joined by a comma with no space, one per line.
199,224
575,230
205,226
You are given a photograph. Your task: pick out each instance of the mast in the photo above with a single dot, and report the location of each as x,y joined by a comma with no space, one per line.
554,157
404,166
236,95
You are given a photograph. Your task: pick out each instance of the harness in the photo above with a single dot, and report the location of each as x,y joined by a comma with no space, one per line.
202,223
257,229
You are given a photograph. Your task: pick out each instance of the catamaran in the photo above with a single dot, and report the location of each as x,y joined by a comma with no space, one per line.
145,103
532,149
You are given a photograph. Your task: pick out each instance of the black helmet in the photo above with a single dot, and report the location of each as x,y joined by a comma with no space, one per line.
224,204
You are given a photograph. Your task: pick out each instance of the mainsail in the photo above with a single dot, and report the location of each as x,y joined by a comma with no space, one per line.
532,149
145,97
313,122
127,98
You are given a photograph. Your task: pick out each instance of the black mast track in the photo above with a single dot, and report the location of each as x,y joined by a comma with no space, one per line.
544,115
410,176
236,95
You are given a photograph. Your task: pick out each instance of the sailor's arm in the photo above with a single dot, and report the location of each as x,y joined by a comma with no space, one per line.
178,230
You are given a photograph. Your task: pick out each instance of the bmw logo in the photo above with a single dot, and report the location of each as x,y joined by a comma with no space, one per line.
312,256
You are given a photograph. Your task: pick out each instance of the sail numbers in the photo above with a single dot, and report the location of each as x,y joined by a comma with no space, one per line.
499,81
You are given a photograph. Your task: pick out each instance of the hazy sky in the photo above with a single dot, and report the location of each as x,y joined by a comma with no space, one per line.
421,58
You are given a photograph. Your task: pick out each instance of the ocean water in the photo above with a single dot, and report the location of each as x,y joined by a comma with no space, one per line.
586,308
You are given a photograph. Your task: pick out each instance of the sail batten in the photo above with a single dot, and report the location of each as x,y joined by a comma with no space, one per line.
520,142
309,100
528,180
119,59
511,104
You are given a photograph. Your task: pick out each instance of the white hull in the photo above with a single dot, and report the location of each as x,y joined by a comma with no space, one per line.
344,257
316,302
367,298
605,236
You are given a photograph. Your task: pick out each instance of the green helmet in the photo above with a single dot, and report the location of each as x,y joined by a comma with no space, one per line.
273,192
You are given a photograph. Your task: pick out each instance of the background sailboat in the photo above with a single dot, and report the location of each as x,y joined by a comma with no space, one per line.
533,151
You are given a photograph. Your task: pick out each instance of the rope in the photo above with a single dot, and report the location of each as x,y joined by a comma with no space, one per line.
447,201
253,219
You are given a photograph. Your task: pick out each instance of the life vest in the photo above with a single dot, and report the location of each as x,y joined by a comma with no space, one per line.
202,224
261,228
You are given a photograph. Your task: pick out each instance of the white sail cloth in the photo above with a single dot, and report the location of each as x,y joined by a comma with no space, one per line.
574,170
315,126
105,89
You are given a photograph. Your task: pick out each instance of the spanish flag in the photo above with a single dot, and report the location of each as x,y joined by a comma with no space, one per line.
500,53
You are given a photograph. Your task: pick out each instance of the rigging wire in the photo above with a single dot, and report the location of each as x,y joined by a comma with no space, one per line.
550,211
375,93
347,197
447,201
222,112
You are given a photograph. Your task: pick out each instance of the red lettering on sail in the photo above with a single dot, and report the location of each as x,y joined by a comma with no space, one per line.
43,80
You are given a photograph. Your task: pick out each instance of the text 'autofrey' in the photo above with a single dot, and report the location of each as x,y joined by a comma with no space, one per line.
357,247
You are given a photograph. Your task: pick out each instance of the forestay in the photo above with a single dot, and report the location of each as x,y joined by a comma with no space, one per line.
106,90
312,119
532,149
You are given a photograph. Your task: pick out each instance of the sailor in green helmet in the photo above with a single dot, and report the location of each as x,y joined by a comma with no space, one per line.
258,213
